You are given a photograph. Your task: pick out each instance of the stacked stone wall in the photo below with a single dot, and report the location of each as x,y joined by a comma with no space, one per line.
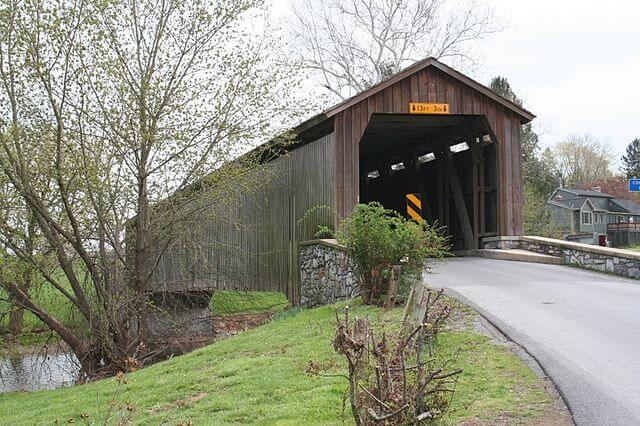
618,261
327,274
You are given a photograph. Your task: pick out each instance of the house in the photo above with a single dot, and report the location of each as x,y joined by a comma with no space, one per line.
584,214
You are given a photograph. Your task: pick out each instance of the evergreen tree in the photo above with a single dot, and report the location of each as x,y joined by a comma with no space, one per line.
631,160
535,171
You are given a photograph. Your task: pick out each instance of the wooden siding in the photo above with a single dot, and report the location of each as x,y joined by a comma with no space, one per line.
252,244
435,86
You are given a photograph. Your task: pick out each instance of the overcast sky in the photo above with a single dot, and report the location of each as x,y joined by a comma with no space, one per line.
576,64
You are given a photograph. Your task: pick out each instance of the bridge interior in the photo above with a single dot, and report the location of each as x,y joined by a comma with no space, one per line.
451,160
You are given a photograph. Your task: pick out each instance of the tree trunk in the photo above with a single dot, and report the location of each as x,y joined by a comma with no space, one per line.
16,317
76,344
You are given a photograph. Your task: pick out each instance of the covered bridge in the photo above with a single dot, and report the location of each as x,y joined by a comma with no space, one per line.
461,152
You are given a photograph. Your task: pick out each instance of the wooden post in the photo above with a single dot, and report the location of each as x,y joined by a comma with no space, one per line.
458,198
416,306
393,287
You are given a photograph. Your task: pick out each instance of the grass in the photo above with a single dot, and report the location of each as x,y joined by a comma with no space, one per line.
258,377
226,302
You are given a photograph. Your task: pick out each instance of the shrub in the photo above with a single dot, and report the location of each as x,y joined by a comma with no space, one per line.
396,378
317,222
377,238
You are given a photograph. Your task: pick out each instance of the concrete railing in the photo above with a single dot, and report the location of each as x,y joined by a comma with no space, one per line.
618,261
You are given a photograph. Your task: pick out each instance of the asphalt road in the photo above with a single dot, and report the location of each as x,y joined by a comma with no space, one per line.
582,327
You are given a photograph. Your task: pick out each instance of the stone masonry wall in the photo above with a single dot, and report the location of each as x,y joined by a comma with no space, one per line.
621,262
327,274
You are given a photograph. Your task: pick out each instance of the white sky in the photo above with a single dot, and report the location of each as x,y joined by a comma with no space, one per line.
576,64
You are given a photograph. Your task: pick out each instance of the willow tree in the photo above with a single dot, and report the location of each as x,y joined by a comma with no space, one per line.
125,103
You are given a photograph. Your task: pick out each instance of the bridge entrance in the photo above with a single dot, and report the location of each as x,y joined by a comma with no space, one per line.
451,160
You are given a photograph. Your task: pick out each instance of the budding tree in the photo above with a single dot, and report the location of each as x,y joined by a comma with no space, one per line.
580,160
108,107
350,45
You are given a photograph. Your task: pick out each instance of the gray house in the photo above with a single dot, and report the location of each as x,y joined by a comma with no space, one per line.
585,214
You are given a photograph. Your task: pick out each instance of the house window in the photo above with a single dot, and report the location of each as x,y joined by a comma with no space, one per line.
587,218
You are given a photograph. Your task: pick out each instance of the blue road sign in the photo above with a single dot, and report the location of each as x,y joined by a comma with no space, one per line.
634,185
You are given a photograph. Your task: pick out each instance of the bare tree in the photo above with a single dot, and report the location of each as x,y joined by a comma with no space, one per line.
580,160
351,45
107,109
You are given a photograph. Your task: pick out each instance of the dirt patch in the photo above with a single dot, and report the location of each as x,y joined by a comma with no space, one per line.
224,326
179,403
230,325
548,418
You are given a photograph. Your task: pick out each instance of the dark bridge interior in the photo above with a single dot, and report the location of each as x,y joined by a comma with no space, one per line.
449,159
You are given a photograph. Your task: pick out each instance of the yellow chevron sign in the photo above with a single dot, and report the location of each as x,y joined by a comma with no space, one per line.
414,207
422,108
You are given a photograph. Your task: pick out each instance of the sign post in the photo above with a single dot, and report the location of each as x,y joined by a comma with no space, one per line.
634,185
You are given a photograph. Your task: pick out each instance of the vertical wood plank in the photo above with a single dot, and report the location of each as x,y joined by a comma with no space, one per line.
405,96
339,162
423,86
414,88
388,99
441,88
517,174
432,86
397,97
348,156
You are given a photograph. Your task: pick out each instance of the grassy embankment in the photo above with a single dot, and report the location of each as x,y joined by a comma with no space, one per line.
259,377
52,301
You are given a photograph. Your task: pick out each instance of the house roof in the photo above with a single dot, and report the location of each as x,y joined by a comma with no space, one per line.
577,197
568,203
628,205
586,193
599,201
562,205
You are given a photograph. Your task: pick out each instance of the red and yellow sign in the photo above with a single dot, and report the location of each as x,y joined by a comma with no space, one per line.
422,108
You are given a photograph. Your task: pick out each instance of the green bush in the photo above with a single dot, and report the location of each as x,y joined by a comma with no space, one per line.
377,238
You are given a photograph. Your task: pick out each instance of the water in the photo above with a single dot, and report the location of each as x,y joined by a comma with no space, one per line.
42,370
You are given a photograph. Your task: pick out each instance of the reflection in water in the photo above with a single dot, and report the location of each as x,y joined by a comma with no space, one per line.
37,371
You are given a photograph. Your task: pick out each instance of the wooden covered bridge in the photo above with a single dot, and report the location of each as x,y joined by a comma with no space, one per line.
459,147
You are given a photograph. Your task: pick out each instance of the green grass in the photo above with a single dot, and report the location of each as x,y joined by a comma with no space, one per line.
258,377
233,302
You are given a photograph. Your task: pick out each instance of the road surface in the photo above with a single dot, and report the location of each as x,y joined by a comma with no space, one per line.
583,328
